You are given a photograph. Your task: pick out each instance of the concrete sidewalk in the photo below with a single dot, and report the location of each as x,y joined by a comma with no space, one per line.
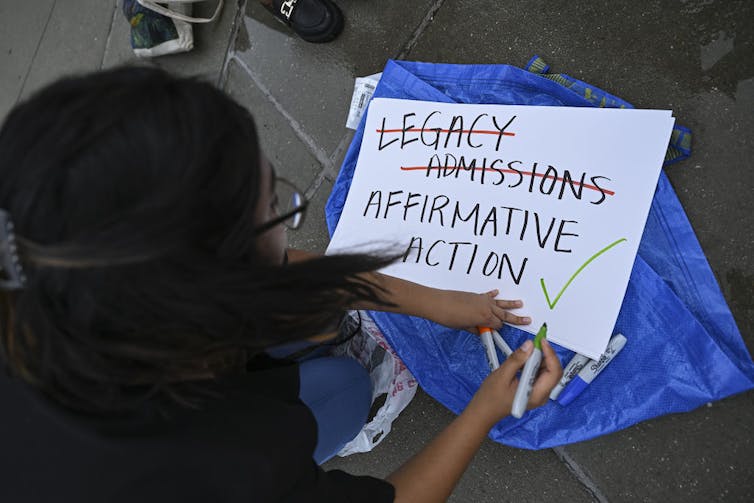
693,56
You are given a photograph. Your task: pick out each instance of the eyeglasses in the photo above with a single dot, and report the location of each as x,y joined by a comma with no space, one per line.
290,205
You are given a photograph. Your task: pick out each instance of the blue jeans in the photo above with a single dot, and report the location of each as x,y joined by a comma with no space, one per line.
338,391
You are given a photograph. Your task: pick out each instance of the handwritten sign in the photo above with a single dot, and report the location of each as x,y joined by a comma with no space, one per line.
546,204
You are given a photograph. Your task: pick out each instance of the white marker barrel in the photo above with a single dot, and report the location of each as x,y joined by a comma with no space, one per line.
528,374
572,369
500,342
489,348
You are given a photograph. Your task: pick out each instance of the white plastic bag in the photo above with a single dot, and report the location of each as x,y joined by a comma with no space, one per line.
389,376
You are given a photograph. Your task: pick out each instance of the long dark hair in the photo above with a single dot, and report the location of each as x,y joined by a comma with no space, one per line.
133,194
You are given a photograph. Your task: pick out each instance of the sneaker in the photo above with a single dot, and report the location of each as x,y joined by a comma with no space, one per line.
313,20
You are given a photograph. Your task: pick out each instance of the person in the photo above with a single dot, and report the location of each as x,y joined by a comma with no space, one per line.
145,284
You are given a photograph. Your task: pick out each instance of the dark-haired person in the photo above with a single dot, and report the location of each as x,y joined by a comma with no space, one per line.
144,281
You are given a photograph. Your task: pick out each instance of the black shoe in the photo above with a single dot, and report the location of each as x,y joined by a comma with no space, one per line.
313,20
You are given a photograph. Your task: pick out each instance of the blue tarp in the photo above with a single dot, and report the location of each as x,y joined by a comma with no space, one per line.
683,348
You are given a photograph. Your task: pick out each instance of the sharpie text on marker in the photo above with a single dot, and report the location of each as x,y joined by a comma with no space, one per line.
485,334
572,369
591,370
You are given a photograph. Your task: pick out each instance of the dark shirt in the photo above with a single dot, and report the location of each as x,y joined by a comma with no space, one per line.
254,443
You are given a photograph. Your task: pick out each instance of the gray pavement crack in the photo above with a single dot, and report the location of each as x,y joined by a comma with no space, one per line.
229,51
297,128
36,50
419,31
109,33
581,475
337,154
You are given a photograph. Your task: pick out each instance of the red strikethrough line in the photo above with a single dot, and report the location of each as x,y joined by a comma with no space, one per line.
462,131
512,172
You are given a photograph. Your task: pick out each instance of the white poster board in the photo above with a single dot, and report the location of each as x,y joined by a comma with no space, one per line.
546,204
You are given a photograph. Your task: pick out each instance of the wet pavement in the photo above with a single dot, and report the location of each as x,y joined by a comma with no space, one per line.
694,56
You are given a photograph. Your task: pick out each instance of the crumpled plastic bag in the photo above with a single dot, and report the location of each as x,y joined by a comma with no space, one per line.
388,374
684,348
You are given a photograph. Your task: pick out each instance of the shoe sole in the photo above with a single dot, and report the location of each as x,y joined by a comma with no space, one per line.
334,30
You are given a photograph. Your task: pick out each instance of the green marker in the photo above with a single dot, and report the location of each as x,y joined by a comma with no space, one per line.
528,375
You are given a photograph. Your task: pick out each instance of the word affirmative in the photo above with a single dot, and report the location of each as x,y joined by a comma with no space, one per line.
477,219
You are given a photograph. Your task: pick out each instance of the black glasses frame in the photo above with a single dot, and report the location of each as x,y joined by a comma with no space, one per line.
282,219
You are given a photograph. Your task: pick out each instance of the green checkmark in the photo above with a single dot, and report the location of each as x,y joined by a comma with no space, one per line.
573,276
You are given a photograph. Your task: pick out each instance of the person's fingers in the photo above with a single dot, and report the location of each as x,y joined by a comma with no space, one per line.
500,315
550,361
550,373
509,304
515,362
513,319
499,309
504,316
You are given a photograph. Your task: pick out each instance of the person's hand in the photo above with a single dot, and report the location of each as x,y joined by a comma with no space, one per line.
452,308
494,399
467,311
